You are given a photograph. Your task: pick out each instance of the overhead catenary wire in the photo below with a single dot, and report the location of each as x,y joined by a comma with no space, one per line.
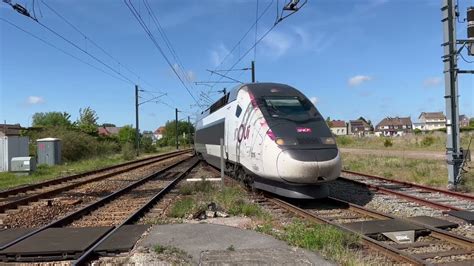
89,39
62,50
150,35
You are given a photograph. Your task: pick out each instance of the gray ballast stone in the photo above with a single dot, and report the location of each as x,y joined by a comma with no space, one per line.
209,243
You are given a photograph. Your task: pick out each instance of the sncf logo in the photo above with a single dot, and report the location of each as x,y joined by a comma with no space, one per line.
303,130
243,132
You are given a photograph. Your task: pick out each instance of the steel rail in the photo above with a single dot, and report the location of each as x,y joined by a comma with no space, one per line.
392,252
88,254
89,208
22,189
426,202
459,240
427,188
35,197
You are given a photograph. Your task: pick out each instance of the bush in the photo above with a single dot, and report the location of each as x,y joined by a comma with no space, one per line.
344,140
75,145
128,151
417,131
387,143
427,141
146,145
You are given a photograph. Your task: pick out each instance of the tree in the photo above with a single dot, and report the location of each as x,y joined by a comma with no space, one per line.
52,119
87,121
169,137
127,135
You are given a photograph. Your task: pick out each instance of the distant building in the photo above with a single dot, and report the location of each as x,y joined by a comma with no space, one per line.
338,127
108,131
10,130
359,127
159,133
430,121
148,133
463,121
394,126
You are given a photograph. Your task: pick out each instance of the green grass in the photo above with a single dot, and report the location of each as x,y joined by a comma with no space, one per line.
232,199
44,172
421,171
331,242
435,141
183,208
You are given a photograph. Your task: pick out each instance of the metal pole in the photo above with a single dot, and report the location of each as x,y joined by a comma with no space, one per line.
222,161
137,130
453,147
253,71
176,124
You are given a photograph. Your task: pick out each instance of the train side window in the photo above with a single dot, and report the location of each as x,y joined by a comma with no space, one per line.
238,111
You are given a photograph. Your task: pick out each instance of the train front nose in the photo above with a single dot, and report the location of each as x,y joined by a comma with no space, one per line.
309,166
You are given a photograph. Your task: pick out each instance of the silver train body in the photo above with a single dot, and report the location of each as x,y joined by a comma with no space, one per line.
274,139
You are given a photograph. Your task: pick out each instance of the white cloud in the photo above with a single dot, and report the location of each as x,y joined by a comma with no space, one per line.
277,43
191,76
432,82
32,100
314,100
218,54
358,80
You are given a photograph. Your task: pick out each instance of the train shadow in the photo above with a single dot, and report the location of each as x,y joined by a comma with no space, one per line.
341,190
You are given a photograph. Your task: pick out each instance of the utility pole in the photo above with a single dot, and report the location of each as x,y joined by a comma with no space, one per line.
137,130
454,152
176,124
253,71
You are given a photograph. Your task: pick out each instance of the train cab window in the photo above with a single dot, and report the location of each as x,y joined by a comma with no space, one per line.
290,107
238,111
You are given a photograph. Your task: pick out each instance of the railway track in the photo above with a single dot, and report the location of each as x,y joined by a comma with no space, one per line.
124,207
430,246
441,199
13,198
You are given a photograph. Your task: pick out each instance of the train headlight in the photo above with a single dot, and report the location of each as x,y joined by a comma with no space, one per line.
328,140
285,142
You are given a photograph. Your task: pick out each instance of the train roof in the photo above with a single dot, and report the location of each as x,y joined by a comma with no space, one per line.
257,89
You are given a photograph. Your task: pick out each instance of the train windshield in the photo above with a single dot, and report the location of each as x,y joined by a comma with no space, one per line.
289,107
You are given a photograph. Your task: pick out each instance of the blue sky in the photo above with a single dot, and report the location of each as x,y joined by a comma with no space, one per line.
371,58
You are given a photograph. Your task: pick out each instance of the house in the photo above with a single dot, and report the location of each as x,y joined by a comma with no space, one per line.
10,130
338,127
108,131
430,121
159,133
463,121
359,127
394,126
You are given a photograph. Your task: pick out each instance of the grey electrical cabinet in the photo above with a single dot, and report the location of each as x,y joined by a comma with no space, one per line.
12,146
49,151
23,164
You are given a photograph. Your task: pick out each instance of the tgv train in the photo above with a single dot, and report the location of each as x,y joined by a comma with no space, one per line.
274,140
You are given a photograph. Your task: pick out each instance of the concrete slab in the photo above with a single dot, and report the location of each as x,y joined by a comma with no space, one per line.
210,242
467,216
8,235
123,239
56,241
382,226
434,222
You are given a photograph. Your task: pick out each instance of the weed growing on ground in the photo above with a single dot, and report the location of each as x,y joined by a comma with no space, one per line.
182,207
181,255
232,199
330,241
231,248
